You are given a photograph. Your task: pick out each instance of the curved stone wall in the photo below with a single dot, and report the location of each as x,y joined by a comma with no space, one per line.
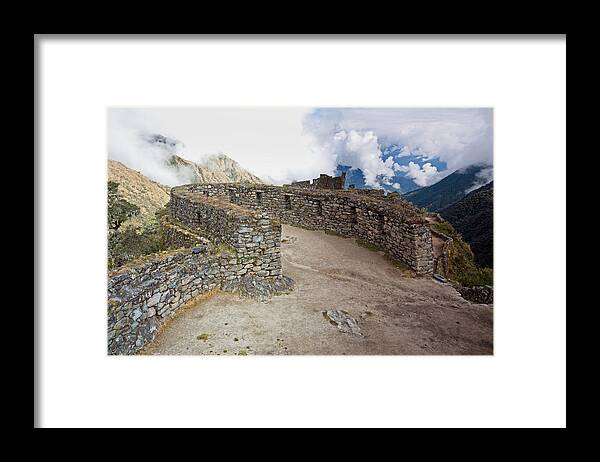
388,222
253,235
242,250
243,227
144,294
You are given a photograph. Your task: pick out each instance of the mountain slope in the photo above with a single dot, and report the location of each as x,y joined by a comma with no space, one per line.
448,190
220,163
473,218
137,189
215,169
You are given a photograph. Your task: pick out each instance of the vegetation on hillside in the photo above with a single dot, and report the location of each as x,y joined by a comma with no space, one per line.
138,190
446,191
128,240
461,263
119,209
473,218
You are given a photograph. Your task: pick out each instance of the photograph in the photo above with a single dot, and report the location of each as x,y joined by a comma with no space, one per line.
233,230
300,231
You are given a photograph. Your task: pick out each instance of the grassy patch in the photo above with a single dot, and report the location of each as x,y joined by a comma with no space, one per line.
224,249
203,337
444,228
461,264
242,353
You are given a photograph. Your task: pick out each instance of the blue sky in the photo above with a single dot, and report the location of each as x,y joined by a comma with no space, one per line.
389,146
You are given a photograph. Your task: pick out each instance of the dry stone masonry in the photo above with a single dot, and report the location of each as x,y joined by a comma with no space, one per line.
388,222
231,239
323,182
441,262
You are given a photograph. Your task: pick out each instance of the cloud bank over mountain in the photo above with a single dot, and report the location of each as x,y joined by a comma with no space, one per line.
420,138
395,149
267,141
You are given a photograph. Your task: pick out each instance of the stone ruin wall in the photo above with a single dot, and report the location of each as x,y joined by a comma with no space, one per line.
390,223
441,262
245,220
372,192
144,294
323,182
252,234
176,235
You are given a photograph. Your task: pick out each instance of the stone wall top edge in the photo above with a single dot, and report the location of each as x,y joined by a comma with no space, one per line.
148,259
441,235
408,211
216,202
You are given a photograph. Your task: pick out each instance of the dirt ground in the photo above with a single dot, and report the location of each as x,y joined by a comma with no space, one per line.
396,313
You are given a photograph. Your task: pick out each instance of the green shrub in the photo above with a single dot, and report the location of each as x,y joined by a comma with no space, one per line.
129,243
128,240
119,210
461,264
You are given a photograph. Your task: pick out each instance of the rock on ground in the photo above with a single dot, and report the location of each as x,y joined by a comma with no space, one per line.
344,322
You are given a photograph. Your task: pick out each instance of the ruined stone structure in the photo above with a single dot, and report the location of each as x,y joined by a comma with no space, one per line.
373,192
142,296
441,261
253,235
232,239
323,182
390,223
224,246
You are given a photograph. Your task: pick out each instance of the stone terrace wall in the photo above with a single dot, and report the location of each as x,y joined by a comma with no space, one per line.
142,295
440,263
177,236
254,236
372,192
244,245
323,182
392,224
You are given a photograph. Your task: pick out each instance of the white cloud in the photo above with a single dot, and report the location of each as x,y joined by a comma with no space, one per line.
269,142
422,175
285,144
360,150
483,177
127,145
458,137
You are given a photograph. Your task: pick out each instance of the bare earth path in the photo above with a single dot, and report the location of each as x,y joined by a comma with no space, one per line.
396,314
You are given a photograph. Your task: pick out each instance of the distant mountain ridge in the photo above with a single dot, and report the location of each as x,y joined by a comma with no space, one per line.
448,190
218,168
215,169
473,218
